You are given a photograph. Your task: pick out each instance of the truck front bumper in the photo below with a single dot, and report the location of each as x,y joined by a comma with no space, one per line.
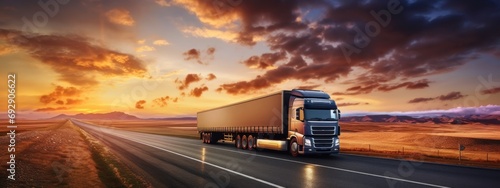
312,150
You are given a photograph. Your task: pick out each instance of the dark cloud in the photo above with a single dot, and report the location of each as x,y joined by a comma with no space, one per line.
50,109
448,97
491,91
409,85
190,78
347,104
211,77
192,54
265,60
356,90
424,38
140,104
195,54
76,59
198,91
68,16
420,99
451,96
260,82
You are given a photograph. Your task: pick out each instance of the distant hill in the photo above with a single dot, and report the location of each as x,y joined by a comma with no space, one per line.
443,119
103,116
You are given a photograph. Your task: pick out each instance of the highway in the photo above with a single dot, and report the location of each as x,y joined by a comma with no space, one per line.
167,161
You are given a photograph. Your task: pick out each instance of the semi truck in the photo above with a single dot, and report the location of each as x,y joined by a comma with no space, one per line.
298,121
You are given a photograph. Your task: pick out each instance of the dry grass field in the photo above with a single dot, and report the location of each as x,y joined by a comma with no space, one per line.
428,142
50,153
56,153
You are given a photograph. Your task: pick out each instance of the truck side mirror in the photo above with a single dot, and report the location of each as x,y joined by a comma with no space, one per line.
338,111
299,114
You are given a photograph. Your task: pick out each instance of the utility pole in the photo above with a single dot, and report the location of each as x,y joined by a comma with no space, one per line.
460,149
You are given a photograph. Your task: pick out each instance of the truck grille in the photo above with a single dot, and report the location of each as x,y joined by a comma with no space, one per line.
322,142
323,130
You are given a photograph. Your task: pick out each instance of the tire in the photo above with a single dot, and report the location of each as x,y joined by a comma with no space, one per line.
237,142
294,147
251,142
209,138
204,137
244,142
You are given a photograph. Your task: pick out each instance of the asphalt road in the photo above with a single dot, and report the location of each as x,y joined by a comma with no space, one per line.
168,161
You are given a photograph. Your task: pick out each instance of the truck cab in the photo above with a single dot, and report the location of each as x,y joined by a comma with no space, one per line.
313,123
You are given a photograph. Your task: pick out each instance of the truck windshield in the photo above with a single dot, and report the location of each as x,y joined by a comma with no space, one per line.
320,114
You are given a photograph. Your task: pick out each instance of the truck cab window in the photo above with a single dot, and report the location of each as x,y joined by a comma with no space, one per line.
320,114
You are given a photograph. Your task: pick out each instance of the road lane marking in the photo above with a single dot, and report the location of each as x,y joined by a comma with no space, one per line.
204,162
333,168
286,160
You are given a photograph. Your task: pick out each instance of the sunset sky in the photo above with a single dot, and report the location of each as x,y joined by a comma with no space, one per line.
161,58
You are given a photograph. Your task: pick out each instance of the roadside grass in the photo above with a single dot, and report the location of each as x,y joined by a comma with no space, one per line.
111,171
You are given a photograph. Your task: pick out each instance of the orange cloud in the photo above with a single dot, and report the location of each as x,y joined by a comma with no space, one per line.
191,54
76,59
190,78
217,14
265,60
197,91
145,48
211,77
120,16
163,101
161,42
140,104
228,36
195,54
58,93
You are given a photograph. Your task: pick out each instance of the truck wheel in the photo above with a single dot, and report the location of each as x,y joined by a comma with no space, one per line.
294,147
203,137
250,142
237,142
244,142
209,137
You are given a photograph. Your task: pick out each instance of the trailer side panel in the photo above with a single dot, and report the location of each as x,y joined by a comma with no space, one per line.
260,115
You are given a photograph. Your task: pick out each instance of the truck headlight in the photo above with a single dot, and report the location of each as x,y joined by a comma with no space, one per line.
307,142
337,142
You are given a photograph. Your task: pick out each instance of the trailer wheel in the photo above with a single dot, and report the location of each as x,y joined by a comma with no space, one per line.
294,147
244,142
237,142
203,137
209,137
250,142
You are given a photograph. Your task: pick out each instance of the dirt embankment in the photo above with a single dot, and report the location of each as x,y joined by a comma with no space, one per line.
55,156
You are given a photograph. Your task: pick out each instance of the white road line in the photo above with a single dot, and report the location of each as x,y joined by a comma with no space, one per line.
333,168
287,160
204,162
